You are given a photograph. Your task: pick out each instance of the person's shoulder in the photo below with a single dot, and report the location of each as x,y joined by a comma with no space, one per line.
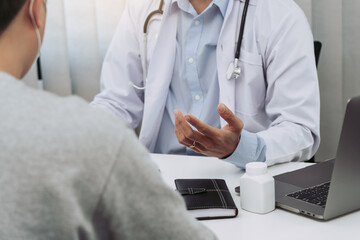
276,16
144,3
288,5
97,120
143,7
70,113
280,8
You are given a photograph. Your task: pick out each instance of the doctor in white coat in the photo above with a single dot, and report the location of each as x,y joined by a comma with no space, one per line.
270,113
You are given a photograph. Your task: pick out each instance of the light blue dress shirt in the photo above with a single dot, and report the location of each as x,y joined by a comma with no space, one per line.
194,88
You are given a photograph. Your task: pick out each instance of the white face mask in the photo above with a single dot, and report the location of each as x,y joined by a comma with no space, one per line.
37,31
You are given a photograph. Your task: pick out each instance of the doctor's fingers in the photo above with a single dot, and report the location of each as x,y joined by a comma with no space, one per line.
188,136
190,143
213,133
185,135
234,122
183,127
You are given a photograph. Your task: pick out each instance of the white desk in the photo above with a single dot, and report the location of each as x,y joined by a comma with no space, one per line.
278,224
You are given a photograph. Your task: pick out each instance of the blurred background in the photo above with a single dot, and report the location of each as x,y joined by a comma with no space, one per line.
79,31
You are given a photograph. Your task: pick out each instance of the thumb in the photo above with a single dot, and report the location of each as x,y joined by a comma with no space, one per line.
229,117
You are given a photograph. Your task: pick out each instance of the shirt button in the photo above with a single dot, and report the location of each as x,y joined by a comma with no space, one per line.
191,60
197,22
197,97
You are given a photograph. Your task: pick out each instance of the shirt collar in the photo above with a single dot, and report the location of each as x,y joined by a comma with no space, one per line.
182,4
222,4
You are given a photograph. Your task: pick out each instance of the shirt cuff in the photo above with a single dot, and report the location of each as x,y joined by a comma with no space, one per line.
251,148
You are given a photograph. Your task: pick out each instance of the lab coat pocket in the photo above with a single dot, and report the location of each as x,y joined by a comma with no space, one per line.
250,58
251,86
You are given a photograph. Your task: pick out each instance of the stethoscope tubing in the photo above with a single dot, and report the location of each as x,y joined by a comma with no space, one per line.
161,12
242,29
146,26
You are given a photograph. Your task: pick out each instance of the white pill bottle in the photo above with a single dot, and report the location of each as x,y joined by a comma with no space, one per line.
257,188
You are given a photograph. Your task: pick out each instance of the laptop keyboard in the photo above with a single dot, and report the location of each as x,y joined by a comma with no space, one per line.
315,195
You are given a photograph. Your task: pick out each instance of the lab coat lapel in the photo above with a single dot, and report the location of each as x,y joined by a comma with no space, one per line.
225,55
159,77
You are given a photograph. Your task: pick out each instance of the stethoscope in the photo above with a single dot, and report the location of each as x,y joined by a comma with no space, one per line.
148,21
234,70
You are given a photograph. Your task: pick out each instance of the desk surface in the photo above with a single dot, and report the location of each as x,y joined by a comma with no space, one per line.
278,224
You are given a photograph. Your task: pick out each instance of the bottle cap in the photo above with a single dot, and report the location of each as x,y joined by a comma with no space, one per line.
256,168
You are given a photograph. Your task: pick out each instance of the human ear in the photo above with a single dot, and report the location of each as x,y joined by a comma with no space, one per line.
38,12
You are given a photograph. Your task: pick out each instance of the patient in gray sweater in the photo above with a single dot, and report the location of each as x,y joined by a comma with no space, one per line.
71,172
68,171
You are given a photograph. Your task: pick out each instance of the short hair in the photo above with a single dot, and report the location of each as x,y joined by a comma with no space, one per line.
9,9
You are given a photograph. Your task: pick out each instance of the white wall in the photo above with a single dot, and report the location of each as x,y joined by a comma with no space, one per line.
336,24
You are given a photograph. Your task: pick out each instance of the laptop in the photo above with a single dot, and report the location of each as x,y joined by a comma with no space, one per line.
332,188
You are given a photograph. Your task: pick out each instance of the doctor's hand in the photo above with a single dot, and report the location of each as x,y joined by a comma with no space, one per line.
207,140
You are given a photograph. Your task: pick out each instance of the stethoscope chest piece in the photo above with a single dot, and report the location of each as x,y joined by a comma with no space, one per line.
234,71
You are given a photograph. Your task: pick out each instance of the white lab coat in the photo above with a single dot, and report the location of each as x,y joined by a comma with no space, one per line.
277,95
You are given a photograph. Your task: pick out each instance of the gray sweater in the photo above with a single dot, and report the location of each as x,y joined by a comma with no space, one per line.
71,172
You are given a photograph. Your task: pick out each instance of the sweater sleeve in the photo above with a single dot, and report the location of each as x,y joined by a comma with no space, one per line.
137,204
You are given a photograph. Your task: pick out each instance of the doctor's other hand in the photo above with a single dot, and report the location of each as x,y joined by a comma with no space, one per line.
208,140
